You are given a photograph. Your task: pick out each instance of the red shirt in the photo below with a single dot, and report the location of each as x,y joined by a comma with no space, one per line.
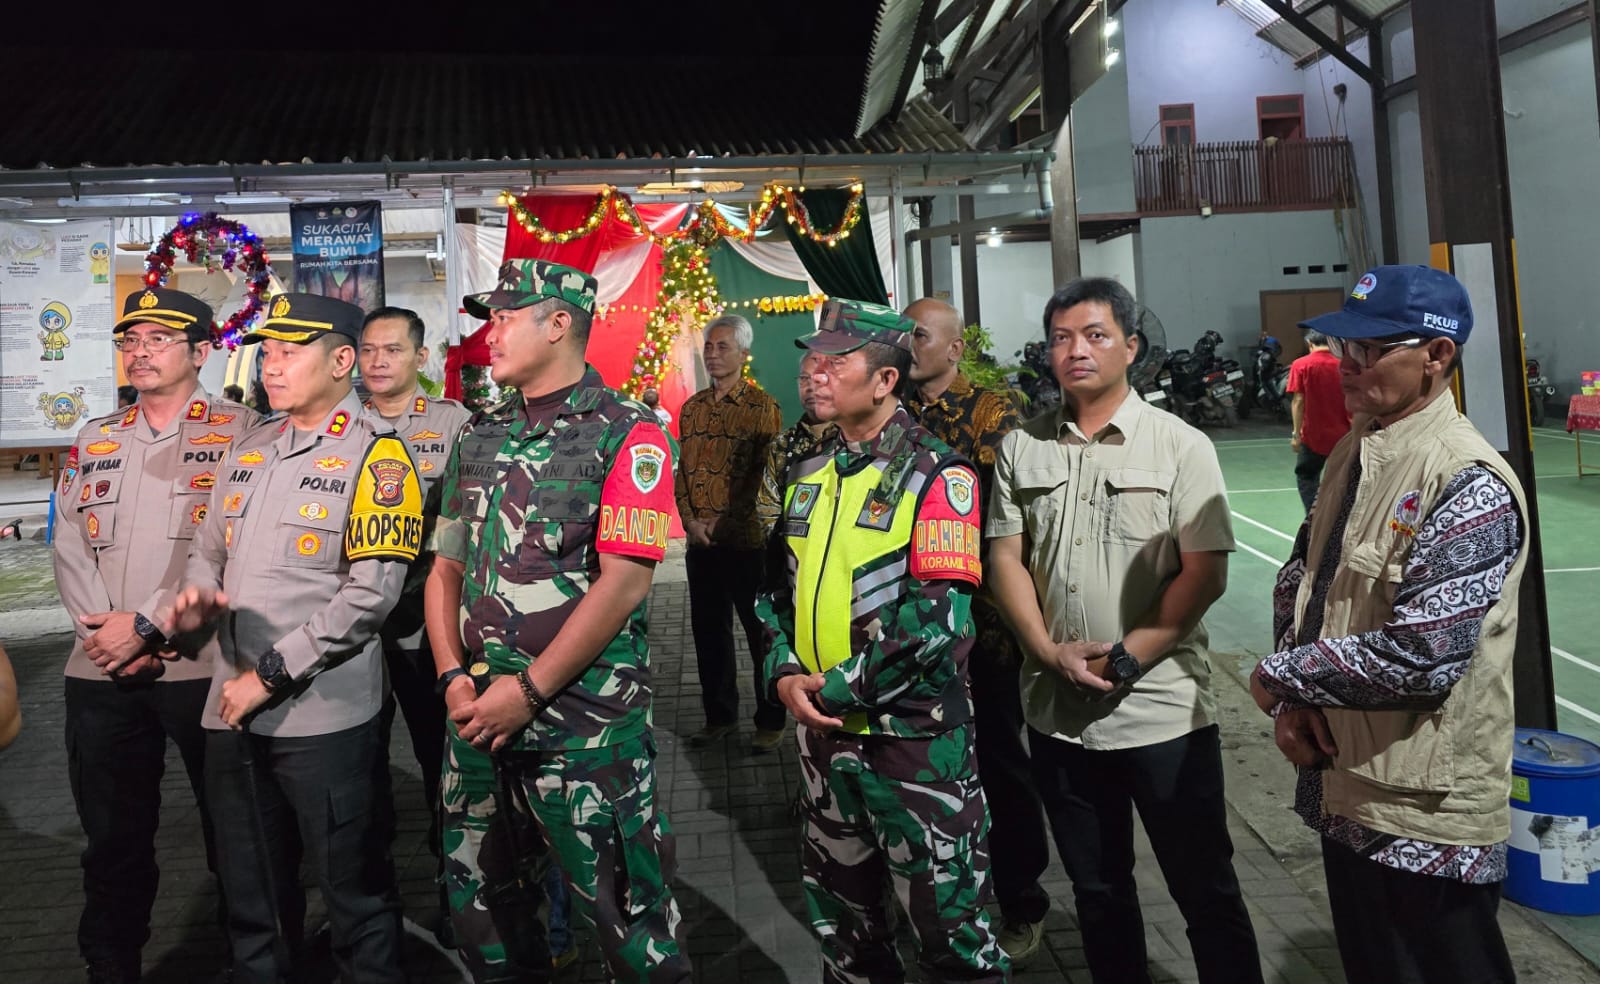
1325,420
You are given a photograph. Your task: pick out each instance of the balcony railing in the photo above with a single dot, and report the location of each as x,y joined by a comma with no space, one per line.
1244,176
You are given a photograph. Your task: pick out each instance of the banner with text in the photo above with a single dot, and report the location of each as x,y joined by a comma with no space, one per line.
338,251
57,366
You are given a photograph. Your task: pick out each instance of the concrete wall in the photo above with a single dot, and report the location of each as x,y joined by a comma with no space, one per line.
1194,51
1327,116
1102,150
1209,273
1553,151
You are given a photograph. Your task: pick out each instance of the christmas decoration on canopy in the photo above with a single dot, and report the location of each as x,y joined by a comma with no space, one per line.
687,299
215,243
708,222
776,304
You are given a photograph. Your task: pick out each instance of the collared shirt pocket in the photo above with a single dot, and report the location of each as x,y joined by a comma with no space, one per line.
1137,504
188,512
1379,574
97,507
1041,493
560,521
311,533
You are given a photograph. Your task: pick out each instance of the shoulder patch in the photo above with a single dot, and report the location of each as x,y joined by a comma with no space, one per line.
945,541
197,411
339,424
636,497
132,415
386,511
421,405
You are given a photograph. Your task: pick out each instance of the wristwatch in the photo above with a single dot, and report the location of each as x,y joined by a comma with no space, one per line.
446,678
274,676
1125,667
147,630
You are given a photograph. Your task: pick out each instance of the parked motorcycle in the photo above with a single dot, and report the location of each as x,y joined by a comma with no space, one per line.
1540,390
1204,388
1272,378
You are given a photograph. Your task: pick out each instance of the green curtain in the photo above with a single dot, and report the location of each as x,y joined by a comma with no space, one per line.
774,360
850,269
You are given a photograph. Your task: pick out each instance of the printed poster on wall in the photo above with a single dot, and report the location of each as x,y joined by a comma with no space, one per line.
57,366
338,251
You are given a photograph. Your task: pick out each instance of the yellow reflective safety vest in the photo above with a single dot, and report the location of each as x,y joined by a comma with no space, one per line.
883,555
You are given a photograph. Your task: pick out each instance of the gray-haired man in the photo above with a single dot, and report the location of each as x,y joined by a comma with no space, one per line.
724,430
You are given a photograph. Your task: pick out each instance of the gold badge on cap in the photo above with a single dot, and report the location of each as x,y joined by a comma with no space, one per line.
149,300
280,307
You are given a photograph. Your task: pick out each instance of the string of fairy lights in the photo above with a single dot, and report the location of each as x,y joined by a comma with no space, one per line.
689,296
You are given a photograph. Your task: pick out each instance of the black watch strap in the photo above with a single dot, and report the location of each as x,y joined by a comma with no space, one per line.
1124,664
147,630
446,678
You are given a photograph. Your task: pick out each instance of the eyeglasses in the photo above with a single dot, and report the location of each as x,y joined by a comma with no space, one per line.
154,344
1365,355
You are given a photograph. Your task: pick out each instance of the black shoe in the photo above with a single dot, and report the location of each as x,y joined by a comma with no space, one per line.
711,734
112,971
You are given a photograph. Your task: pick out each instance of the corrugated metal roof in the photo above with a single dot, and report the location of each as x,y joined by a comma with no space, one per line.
897,24
367,107
1277,31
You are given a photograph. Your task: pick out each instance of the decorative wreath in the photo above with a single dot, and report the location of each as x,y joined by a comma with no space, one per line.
215,243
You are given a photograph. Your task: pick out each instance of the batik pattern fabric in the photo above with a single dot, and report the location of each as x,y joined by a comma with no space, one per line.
1463,551
725,442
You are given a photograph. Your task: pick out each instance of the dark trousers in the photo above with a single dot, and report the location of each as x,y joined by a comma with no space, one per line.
722,581
1019,851
411,681
1408,928
1308,474
318,796
1177,787
116,755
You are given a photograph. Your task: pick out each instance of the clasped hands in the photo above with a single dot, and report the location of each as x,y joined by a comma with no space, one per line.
491,719
1084,664
119,651
1301,732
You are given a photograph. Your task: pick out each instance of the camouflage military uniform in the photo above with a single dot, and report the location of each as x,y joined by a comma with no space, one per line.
792,445
528,510
887,530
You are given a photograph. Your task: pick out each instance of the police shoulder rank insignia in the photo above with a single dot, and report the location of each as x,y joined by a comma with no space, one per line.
647,466
103,447
804,499
197,411
1407,513
339,424
421,405
386,511
212,439
332,463
251,457
945,540
132,415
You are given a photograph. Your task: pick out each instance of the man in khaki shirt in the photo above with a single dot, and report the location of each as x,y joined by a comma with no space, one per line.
135,489
1109,537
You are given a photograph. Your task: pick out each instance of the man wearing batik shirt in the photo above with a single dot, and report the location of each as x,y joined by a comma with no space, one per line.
1395,621
555,511
870,637
973,420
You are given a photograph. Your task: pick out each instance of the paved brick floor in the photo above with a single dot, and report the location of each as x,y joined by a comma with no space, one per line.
738,881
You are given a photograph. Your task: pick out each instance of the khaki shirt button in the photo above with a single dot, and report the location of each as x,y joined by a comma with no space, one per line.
1073,588
1084,496
1089,453
1078,542
1072,637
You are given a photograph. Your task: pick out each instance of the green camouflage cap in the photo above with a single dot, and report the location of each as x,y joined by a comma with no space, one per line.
848,325
527,282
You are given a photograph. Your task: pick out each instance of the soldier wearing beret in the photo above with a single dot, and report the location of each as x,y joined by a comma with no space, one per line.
135,489
870,641
312,527
555,512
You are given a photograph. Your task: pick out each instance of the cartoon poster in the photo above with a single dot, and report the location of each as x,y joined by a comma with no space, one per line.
57,366
338,251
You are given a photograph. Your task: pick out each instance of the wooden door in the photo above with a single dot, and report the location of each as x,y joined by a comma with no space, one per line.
1283,310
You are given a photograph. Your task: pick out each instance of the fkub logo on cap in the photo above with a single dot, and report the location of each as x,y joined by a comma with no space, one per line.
149,300
1366,285
280,307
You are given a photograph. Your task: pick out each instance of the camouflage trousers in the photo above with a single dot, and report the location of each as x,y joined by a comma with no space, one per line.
910,812
595,809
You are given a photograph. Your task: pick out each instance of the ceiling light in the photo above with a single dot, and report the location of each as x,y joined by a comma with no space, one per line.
995,237
1111,26
1112,56
45,221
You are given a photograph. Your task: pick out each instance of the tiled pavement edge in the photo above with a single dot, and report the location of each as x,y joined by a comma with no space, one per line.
738,879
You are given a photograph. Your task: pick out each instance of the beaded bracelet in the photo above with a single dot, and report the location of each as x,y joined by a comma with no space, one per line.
537,702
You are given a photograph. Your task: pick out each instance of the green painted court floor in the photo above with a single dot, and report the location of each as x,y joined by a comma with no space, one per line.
1259,469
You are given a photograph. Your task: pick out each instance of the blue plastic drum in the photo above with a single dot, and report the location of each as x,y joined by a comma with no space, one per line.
1554,853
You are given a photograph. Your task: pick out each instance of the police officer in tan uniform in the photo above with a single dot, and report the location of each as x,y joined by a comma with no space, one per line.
313,525
134,491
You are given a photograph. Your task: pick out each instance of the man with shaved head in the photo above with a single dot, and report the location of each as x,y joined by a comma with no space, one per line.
972,420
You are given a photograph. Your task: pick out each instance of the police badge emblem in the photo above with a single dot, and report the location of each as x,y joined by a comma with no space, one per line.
389,477
649,462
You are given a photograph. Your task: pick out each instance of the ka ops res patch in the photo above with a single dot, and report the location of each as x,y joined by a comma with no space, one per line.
386,510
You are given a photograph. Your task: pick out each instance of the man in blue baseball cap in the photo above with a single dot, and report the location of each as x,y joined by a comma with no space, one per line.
1395,620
